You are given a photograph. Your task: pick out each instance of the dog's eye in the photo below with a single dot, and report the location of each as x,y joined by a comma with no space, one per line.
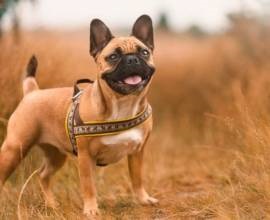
113,57
145,52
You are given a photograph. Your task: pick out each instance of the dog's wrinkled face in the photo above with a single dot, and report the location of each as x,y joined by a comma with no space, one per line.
125,63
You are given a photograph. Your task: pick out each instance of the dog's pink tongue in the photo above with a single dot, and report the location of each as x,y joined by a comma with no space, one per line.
133,80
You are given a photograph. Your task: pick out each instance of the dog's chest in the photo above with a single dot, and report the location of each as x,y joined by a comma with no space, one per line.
132,136
114,147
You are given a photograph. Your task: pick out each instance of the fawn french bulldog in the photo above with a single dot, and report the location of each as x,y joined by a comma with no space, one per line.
115,104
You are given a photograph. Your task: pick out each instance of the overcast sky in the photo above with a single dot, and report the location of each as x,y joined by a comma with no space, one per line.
68,14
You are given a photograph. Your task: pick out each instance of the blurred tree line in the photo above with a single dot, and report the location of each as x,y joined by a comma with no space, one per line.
193,30
251,30
9,6
241,22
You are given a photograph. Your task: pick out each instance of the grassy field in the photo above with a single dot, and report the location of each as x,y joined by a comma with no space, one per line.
208,156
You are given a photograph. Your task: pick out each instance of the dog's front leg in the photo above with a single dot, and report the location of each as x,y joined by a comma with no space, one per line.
86,172
135,164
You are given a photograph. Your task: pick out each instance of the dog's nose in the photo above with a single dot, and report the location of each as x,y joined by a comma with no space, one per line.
132,60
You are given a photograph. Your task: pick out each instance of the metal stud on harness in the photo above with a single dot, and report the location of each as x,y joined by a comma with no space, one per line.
75,127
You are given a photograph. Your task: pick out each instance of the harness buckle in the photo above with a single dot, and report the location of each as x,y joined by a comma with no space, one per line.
76,95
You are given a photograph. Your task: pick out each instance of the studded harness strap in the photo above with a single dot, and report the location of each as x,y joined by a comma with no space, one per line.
75,127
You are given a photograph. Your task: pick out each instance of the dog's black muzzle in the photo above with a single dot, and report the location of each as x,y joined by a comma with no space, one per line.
129,65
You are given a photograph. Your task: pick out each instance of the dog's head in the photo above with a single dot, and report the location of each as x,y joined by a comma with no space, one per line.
125,63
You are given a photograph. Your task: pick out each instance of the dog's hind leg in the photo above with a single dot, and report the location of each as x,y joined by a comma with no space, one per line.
11,154
53,161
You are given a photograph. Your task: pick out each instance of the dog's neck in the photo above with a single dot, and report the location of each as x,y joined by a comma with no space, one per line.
107,106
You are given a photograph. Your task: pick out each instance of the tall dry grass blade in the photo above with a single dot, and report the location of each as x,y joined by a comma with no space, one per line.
21,193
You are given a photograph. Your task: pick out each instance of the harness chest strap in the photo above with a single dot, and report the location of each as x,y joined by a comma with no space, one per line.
75,127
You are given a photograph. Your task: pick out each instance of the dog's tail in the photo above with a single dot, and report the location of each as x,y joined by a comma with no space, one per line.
29,82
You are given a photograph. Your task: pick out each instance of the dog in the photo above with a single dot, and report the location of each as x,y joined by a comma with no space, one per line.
125,71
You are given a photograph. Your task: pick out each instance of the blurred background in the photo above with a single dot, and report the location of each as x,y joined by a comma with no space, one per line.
208,156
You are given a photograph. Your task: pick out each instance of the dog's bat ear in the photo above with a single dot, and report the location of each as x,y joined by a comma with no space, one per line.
143,30
100,36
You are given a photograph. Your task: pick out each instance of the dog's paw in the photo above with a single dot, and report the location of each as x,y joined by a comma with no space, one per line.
91,210
144,198
92,213
148,200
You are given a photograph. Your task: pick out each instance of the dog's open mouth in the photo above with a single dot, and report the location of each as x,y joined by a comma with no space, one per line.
128,84
132,80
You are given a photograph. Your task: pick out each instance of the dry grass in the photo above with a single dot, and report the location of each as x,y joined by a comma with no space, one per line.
208,156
